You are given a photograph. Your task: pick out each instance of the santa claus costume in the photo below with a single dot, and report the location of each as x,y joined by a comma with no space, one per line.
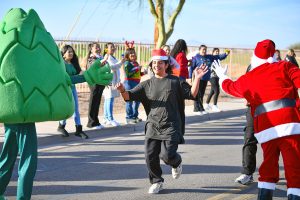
271,88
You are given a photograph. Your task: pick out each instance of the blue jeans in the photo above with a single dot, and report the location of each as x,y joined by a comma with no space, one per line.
76,114
132,107
108,109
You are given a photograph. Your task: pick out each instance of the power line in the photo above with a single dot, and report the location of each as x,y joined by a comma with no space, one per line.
109,18
89,18
77,20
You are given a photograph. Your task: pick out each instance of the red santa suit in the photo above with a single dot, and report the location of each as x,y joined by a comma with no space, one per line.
271,89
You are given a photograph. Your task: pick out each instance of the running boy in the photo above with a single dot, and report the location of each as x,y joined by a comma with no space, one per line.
163,99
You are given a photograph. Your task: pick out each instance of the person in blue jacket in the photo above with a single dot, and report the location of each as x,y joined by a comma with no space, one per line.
197,60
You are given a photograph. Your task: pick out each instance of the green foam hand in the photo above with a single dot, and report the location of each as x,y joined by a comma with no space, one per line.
97,74
34,85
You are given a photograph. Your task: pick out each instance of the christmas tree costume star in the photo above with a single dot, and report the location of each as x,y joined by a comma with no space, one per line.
34,87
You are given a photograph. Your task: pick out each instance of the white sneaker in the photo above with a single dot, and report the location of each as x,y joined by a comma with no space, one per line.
176,172
197,113
244,179
206,106
99,127
204,112
155,188
215,108
114,123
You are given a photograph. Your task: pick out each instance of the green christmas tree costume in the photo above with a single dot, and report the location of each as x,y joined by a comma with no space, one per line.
34,87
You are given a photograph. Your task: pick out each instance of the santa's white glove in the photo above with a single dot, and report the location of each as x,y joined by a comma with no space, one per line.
220,71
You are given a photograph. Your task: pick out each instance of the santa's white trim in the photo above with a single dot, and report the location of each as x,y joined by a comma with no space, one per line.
266,185
160,57
256,61
223,78
277,132
294,191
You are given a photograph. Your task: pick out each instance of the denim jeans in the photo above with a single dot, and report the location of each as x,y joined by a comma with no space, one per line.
132,107
76,114
108,109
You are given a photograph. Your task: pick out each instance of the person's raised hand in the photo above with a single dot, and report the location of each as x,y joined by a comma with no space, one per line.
227,51
98,74
200,71
120,87
217,67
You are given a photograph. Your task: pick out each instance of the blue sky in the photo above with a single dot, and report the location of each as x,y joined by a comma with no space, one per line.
222,23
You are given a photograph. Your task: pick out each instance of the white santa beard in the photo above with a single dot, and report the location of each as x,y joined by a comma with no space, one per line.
255,61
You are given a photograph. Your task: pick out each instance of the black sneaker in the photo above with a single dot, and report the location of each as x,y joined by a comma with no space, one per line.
82,135
130,121
62,130
138,120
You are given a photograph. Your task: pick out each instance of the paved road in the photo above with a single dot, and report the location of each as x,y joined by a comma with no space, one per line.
112,167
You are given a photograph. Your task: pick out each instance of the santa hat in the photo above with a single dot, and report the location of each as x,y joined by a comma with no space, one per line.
158,54
265,50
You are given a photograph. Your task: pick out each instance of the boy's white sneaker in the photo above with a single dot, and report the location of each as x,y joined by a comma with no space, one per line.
155,188
176,172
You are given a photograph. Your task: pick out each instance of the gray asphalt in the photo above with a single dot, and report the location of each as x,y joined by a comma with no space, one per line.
111,165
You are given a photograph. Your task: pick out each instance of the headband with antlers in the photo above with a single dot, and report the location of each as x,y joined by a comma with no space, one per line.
129,44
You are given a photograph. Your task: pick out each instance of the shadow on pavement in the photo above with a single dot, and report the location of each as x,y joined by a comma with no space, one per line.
69,189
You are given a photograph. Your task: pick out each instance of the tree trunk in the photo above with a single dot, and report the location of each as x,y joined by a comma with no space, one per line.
155,30
158,13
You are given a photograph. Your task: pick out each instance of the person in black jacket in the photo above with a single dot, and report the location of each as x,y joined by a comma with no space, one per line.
291,57
96,90
249,149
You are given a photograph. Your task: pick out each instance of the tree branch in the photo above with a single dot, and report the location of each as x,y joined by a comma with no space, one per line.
161,19
172,19
152,9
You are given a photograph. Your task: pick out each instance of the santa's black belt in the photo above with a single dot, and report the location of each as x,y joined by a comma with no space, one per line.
274,105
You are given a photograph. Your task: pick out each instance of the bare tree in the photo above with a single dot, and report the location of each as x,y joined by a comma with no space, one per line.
163,32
